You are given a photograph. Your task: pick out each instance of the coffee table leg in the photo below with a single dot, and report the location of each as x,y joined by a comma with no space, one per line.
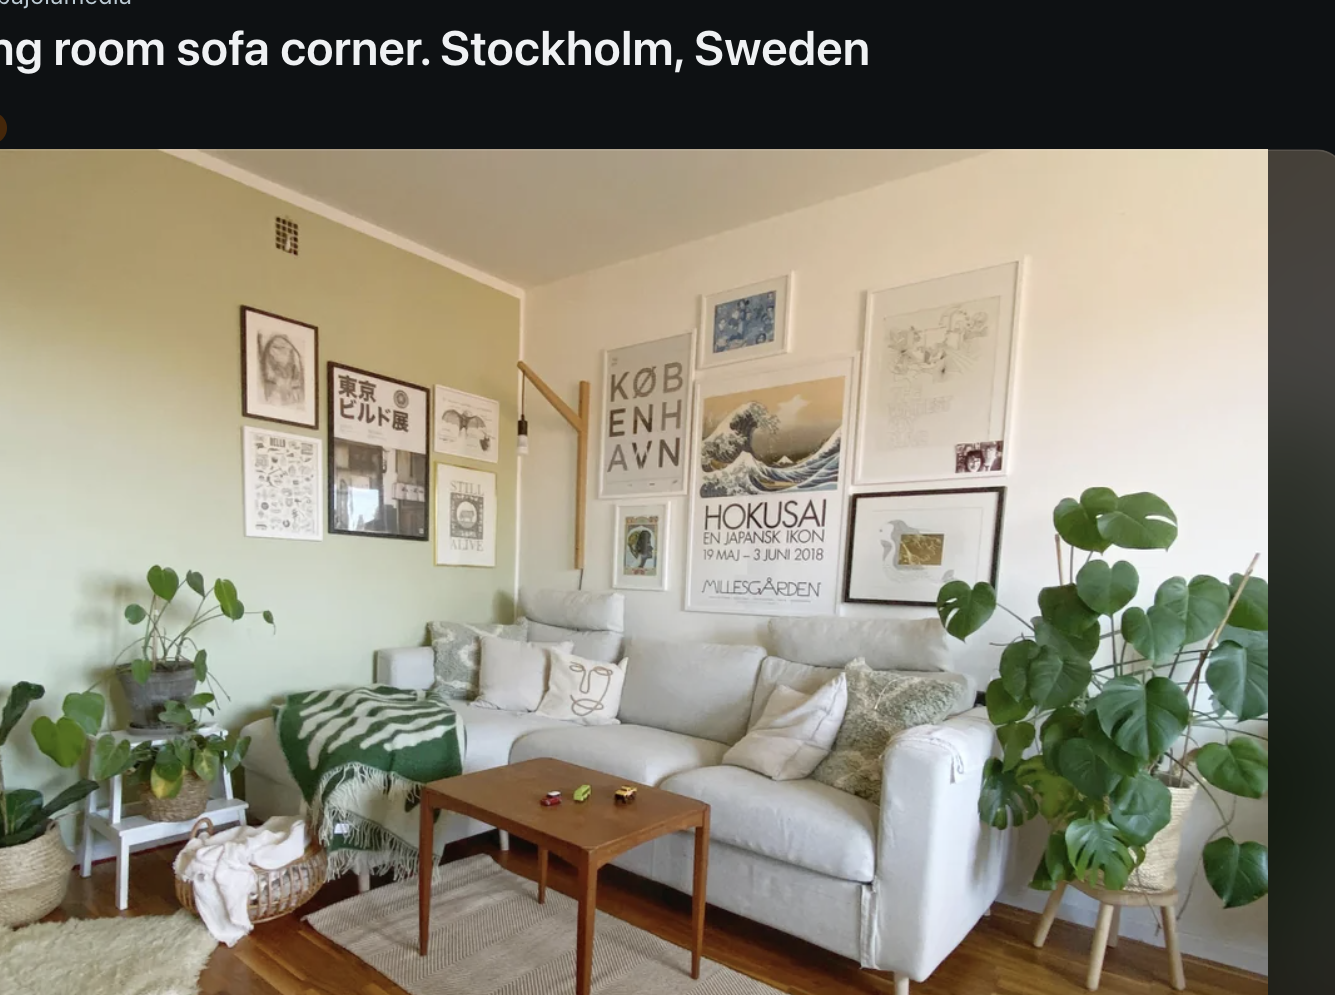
425,866
542,875
588,905
698,893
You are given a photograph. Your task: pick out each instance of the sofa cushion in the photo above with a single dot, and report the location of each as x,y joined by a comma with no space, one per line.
513,675
605,647
457,654
885,643
697,689
777,672
799,822
489,733
794,733
586,692
575,609
637,753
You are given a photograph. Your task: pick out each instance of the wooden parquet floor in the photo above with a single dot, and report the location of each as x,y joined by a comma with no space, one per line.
285,957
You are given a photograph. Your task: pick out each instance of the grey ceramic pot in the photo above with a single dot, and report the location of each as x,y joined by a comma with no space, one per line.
146,700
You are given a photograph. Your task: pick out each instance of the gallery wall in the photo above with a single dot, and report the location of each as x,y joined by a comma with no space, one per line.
121,279
1142,365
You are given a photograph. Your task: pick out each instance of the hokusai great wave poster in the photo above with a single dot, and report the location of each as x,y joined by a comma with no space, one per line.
767,491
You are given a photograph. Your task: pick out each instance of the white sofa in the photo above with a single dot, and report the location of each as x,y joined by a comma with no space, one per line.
895,887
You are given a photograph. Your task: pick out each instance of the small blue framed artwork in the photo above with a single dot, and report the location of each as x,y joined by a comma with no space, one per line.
746,323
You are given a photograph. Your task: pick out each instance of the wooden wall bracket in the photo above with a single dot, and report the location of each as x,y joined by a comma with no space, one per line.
579,421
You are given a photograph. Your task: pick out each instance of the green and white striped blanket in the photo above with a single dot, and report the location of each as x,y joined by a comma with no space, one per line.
360,758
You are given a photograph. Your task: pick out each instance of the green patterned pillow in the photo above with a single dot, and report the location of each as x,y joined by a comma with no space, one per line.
456,648
880,705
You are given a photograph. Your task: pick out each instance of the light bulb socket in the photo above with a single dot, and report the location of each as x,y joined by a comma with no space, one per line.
521,442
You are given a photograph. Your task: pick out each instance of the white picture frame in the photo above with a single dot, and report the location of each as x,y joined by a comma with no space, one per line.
282,484
641,544
465,425
938,371
465,517
723,337
639,381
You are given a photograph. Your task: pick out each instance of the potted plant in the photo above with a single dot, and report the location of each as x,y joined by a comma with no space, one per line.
174,777
1111,754
170,665
34,863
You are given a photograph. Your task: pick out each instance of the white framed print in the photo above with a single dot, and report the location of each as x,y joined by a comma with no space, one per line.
280,364
646,442
640,545
466,425
281,475
937,367
750,322
904,545
465,517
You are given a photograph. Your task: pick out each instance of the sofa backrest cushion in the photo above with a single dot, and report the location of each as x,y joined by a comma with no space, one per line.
885,643
605,647
696,689
590,610
778,672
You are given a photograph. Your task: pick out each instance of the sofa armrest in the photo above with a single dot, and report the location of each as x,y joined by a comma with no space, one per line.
938,868
410,667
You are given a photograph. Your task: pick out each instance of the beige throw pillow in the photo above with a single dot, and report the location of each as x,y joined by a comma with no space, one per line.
587,692
880,705
794,733
513,675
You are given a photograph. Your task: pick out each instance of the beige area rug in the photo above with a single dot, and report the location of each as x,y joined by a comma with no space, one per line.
144,955
489,936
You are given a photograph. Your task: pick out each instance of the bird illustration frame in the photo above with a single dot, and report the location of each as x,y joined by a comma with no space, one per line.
904,545
466,425
641,541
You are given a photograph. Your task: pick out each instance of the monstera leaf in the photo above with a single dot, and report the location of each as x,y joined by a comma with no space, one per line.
1061,725
1079,764
1253,608
1054,865
1157,634
1238,873
1241,767
1052,791
1063,608
1003,802
1142,719
1239,672
1002,708
1054,681
1107,589
1096,845
1141,806
1199,605
1015,667
1080,648
1106,750
963,609
1015,738
1139,521
1077,521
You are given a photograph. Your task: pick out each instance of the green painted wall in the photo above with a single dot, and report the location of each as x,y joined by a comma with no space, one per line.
121,279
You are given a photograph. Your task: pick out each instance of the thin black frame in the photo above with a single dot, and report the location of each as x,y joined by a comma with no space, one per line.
330,468
1000,492
245,369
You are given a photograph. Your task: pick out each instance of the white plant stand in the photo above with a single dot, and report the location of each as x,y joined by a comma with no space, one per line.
107,815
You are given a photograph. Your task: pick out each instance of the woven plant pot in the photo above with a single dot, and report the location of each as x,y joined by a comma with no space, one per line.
189,804
1158,871
33,878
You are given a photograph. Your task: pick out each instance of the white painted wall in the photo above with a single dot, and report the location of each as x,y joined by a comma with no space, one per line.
1142,366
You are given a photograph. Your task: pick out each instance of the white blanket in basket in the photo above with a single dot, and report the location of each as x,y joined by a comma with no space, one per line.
219,866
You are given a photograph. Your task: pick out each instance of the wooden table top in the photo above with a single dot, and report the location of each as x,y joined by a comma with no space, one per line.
514,792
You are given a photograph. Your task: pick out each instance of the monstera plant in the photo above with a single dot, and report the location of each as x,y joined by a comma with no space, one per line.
1101,706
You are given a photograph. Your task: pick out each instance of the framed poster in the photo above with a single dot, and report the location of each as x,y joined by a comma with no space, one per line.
281,476
749,322
767,479
280,360
467,425
646,418
378,461
465,517
938,361
640,546
903,545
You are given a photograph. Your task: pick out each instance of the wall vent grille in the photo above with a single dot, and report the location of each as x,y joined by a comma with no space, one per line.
285,235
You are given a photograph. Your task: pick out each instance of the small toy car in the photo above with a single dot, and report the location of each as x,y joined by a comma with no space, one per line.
553,798
582,793
625,794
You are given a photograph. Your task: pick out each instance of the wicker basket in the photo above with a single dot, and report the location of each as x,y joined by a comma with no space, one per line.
1158,871
277,892
33,878
190,802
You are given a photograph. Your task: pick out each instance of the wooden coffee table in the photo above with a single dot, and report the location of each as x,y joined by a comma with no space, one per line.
586,834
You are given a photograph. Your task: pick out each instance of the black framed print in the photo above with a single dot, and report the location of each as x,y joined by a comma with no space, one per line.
379,466
280,362
903,545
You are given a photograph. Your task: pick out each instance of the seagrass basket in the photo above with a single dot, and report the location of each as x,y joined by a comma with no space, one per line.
190,802
276,892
